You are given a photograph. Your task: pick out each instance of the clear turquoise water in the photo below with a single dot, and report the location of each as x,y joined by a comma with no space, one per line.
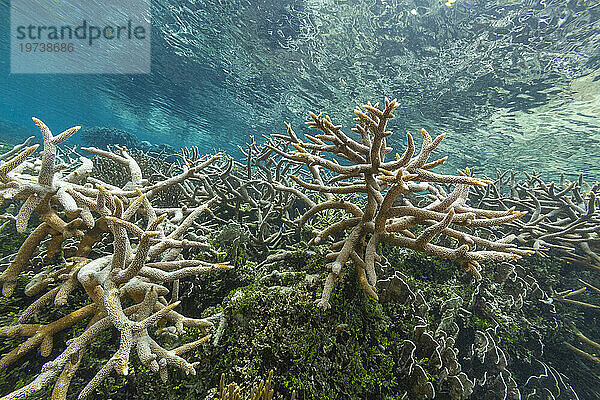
513,83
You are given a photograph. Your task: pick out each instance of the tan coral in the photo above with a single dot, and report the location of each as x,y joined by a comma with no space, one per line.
382,184
127,291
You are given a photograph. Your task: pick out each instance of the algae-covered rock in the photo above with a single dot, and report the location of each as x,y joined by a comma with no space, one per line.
266,319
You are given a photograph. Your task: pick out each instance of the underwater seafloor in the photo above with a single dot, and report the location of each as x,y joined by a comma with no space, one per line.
330,265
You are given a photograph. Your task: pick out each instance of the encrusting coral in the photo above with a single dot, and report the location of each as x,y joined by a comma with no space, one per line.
127,287
364,170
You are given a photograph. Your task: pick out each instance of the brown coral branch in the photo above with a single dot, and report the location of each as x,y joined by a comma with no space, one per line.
378,185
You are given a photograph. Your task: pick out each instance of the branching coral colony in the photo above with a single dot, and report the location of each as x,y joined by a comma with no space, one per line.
127,287
564,216
365,171
143,215
255,195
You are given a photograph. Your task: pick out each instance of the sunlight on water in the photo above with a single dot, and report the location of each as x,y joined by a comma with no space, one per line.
504,79
347,273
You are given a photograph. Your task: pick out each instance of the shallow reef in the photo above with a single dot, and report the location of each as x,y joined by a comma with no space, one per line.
461,287
357,349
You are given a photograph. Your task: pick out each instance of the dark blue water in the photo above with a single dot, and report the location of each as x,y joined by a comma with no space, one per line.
513,83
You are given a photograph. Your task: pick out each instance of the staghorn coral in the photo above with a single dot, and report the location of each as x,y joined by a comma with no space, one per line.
257,194
564,216
127,287
566,297
250,193
364,170
16,149
254,194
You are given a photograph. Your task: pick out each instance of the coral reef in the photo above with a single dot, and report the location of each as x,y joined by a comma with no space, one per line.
564,217
361,348
112,245
127,287
381,219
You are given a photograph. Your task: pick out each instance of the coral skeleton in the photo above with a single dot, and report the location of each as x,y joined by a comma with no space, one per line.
388,216
127,287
